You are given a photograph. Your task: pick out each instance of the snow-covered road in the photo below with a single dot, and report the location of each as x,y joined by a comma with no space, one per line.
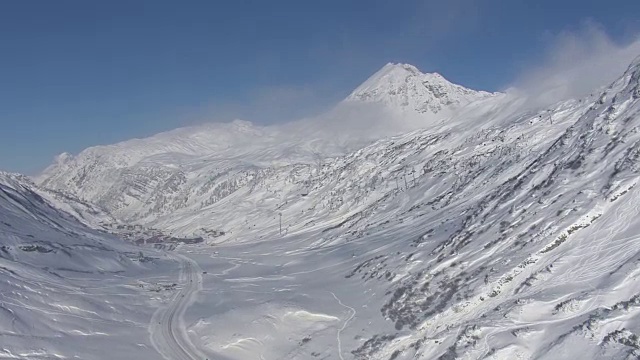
168,333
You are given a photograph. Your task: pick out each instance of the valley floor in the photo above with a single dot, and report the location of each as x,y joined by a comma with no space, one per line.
281,300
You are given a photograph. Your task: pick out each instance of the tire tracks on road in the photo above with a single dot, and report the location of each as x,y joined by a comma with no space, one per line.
167,329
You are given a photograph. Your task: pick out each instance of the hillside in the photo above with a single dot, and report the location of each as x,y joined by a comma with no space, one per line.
68,290
495,233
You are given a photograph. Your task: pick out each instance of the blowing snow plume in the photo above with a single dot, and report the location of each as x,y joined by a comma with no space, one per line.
576,63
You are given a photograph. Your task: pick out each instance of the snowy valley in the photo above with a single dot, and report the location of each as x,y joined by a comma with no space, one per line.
439,223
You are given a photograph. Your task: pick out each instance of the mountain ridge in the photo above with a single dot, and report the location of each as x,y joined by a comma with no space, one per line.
95,173
378,82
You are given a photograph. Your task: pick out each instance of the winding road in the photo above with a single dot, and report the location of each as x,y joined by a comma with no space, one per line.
167,330
344,326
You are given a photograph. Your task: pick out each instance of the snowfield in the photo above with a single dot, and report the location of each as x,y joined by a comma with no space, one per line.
494,231
68,290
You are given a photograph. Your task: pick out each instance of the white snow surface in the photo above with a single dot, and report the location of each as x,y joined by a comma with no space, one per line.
69,291
491,233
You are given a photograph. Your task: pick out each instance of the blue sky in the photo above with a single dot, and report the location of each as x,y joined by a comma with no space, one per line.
79,73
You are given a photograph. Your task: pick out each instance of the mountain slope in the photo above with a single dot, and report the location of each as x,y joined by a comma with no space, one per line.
505,235
67,290
516,238
523,254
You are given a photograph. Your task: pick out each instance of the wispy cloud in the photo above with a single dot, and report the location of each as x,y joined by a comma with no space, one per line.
265,105
576,63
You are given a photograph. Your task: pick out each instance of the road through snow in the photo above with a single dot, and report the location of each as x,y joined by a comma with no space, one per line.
344,326
167,329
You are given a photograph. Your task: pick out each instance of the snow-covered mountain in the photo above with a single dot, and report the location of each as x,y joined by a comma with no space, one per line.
194,167
82,211
405,87
62,283
493,233
513,238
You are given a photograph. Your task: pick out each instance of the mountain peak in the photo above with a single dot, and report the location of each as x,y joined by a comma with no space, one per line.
406,69
400,67
405,87
62,158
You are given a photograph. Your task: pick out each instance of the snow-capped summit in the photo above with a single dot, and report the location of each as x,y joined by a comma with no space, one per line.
63,158
404,86
153,176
